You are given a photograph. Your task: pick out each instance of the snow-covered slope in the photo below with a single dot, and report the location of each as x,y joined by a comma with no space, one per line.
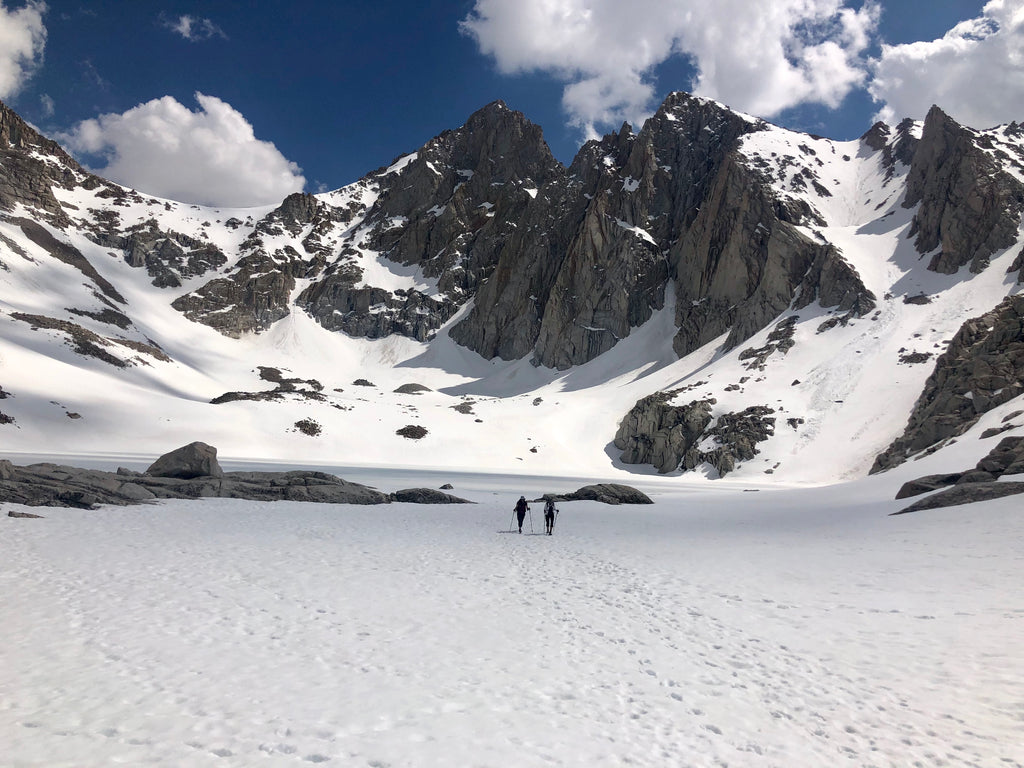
98,354
778,628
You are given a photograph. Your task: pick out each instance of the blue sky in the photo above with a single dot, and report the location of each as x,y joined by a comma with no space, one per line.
316,94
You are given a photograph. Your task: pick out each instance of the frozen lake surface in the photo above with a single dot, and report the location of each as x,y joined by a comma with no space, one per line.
771,628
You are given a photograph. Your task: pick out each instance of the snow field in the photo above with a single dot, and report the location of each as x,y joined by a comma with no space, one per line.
717,627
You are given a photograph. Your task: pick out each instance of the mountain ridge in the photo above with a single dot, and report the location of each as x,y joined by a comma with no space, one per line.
738,239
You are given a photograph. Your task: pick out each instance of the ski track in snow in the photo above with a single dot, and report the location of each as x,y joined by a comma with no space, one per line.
232,633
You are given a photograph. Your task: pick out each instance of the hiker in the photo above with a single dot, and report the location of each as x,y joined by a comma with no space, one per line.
521,507
549,516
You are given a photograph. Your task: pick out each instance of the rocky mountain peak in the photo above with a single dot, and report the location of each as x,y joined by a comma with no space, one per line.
16,134
970,205
877,136
899,148
30,164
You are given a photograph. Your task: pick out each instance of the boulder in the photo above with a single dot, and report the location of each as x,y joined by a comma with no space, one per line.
188,462
606,493
12,513
412,389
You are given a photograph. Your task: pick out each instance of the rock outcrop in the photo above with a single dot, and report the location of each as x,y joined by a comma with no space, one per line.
657,433
191,472
25,175
982,368
676,203
1006,459
672,437
606,493
744,261
169,257
969,206
964,494
734,438
426,496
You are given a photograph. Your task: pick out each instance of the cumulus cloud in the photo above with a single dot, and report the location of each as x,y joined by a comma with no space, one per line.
22,40
758,57
975,72
193,28
210,156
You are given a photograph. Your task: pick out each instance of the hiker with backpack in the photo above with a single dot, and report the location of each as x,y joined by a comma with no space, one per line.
549,516
521,509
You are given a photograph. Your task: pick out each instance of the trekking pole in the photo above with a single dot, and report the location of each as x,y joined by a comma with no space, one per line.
512,521
531,518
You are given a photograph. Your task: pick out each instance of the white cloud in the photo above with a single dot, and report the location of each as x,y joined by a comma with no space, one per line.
22,40
757,56
193,28
46,105
210,157
975,72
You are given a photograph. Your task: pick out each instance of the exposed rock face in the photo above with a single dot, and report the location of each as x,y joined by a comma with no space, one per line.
668,436
188,462
779,340
117,352
594,253
902,149
654,432
412,389
743,262
969,206
461,197
309,389
449,210
982,368
25,176
286,244
736,436
168,257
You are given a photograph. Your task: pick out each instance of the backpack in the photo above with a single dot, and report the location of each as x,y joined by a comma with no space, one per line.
549,507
